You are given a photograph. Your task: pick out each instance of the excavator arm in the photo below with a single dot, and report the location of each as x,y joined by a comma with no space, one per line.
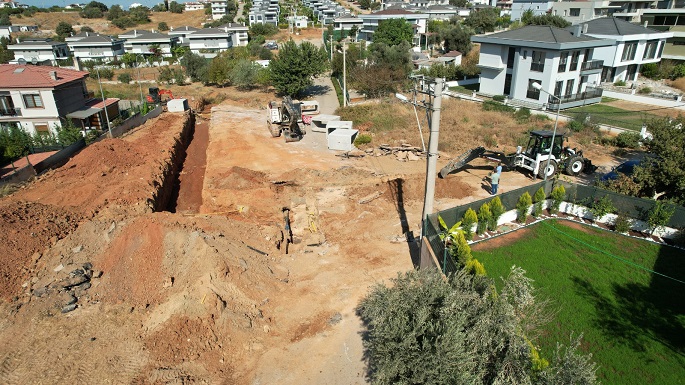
460,162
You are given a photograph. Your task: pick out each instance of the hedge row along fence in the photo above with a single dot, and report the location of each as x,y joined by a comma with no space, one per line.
588,202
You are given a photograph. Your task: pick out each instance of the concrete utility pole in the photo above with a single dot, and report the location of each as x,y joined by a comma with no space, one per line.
431,166
104,102
344,75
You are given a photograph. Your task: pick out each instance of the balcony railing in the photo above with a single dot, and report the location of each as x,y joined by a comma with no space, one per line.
590,93
10,112
592,65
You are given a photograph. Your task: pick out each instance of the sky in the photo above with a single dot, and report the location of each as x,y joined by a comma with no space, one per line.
62,3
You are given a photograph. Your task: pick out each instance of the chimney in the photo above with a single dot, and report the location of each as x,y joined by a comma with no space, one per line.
577,30
584,28
53,75
77,64
646,22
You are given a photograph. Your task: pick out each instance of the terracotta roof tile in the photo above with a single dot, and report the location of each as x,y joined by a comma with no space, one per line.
30,76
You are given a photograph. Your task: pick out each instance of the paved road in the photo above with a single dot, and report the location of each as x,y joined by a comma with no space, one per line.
645,100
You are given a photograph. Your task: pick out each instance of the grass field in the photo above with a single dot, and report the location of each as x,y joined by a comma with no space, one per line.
600,285
613,116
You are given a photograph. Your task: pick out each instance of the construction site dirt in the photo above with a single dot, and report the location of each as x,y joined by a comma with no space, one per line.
145,260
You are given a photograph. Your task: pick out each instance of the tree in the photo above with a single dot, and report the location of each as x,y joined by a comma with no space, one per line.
96,4
162,26
244,74
459,3
524,203
530,18
263,30
663,174
140,14
86,28
63,30
91,13
68,133
424,329
175,7
115,12
483,20
295,66
457,38
5,19
393,32
5,54
195,66
353,32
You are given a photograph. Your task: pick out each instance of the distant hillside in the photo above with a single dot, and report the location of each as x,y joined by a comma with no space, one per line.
47,22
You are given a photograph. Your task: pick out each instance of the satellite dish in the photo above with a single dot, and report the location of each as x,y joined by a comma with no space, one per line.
21,61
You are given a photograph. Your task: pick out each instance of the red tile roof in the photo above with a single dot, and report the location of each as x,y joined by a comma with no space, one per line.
97,103
30,76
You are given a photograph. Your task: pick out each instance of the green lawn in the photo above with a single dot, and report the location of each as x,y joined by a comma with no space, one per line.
467,89
603,114
633,320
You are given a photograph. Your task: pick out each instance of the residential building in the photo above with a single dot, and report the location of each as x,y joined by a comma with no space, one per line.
208,42
580,11
298,21
240,36
8,30
146,43
539,7
36,98
264,12
193,6
668,20
219,8
634,45
422,61
39,51
562,61
89,46
181,33
346,23
370,23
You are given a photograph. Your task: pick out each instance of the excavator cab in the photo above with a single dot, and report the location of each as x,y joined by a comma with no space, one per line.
539,143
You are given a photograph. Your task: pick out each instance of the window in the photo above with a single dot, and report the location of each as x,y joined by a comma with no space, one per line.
538,61
661,50
574,60
574,12
569,87
41,127
563,60
629,51
6,106
558,87
533,93
650,49
510,57
33,101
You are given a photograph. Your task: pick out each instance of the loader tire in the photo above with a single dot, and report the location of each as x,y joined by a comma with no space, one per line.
549,171
273,129
575,165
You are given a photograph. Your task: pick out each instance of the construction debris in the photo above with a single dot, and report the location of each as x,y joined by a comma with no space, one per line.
370,197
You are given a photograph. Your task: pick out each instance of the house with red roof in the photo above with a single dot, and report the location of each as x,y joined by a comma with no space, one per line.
40,98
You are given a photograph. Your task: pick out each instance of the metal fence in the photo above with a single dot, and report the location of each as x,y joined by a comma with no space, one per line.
632,207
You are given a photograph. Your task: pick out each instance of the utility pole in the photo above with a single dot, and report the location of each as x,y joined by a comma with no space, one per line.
104,102
431,164
330,39
344,75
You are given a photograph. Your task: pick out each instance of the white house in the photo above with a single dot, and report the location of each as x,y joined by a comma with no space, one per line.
193,6
370,23
240,37
39,51
144,43
208,42
580,11
218,8
264,12
539,7
182,33
668,20
562,61
89,45
7,30
36,97
298,21
634,45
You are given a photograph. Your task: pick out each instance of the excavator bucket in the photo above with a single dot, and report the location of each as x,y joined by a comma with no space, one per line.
458,163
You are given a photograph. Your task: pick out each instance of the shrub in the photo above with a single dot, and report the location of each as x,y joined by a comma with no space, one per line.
677,72
484,215
650,70
362,139
162,26
538,198
499,98
620,83
496,209
124,78
473,266
575,126
524,203
491,105
601,207
105,73
627,140
462,250
470,218
622,223
522,115
659,216
644,90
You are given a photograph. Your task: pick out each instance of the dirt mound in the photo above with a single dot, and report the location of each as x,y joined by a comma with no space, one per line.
27,229
238,178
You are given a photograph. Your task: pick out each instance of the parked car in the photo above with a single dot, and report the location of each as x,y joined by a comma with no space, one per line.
626,168
271,45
